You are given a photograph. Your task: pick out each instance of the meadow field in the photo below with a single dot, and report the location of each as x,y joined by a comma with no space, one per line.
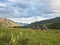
27,36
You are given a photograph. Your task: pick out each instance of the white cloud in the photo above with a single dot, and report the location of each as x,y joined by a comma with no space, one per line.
12,0
2,4
55,4
16,12
23,1
30,8
28,20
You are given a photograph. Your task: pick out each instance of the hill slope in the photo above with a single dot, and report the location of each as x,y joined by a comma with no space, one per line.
51,23
7,23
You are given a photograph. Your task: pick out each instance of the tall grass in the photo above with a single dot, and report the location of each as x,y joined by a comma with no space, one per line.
22,36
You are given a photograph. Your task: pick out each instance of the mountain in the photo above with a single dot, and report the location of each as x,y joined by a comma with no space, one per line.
24,24
7,23
51,23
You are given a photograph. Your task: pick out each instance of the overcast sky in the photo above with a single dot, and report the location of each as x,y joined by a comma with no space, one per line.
27,11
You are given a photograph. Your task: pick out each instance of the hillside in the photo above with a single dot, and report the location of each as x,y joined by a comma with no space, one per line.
7,23
51,23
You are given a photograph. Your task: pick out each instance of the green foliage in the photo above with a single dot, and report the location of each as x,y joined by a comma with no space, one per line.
51,23
27,36
54,26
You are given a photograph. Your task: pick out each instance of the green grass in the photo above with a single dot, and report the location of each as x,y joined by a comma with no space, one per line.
27,36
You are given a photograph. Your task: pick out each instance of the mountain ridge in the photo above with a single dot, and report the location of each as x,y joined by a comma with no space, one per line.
7,23
51,23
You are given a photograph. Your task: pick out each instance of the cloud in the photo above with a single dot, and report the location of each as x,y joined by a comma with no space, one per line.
2,4
3,1
28,20
26,8
55,4
11,0
29,10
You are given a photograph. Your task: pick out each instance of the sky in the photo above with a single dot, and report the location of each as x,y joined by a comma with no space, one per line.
28,11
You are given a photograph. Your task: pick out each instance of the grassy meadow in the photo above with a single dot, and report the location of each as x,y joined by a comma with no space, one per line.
27,36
